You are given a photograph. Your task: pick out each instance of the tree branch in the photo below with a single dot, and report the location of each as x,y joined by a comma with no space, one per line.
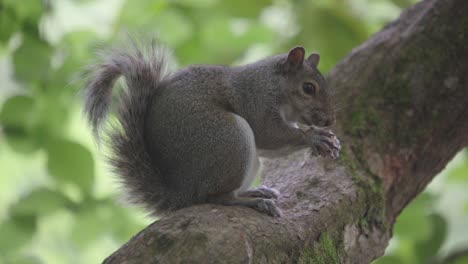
407,93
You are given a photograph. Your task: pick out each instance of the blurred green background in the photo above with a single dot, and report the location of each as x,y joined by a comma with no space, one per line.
58,201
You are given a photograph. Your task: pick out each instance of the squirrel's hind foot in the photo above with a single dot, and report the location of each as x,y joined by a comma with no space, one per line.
267,206
261,192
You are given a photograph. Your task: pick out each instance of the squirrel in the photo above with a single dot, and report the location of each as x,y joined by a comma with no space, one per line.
195,136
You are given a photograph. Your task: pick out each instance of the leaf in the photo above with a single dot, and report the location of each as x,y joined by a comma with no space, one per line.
170,25
30,10
461,260
70,162
389,259
29,122
460,172
16,232
18,119
23,260
413,223
223,45
141,14
17,111
76,48
32,59
98,217
242,8
79,44
53,113
170,34
88,224
195,3
330,30
8,24
428,248
126,227
217,37
40,201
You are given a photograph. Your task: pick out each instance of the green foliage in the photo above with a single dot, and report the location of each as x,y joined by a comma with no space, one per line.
460,172
16,232
347,28
423,238
69,162
389,259
41,201
414,223
242,8
59,194
428,248
26,11
32,70
18,122
461,260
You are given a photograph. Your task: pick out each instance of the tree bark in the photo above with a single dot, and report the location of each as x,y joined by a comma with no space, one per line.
406,93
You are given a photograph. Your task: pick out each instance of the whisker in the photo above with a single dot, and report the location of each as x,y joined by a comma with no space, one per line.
341,107
336,92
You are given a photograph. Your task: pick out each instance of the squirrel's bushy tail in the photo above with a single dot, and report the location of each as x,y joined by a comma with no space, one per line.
143,71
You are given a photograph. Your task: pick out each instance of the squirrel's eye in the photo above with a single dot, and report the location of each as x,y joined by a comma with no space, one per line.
309,88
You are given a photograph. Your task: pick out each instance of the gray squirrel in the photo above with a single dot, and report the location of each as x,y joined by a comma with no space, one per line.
195,136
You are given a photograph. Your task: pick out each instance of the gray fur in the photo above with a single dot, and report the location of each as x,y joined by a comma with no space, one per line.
192,137
144,74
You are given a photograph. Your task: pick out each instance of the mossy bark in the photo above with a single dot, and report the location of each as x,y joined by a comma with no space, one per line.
406,91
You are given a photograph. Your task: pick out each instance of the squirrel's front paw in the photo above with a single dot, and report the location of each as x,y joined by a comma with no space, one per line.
324,143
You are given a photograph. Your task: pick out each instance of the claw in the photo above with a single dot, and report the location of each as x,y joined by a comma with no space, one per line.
268,206
261,191
325,143
269,192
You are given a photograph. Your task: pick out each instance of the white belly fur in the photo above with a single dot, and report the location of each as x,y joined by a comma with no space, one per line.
254,163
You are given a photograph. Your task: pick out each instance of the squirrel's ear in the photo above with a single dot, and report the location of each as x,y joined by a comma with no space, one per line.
295,59
313,59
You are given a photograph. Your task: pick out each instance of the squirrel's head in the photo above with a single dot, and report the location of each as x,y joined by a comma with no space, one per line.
306,97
